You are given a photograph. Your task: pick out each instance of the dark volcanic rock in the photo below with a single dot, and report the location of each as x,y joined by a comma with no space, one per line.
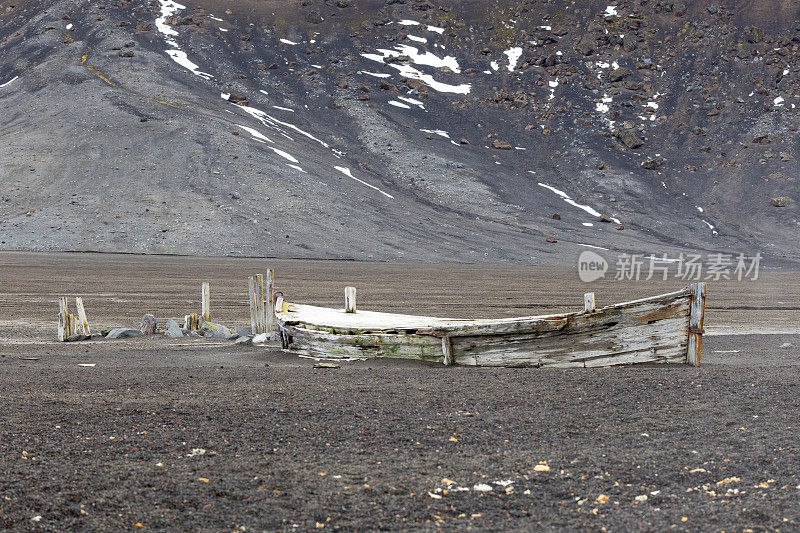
653,164
630,138
238,99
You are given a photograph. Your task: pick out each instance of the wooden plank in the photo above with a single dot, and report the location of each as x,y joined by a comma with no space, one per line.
696,317
73,325
371,321
261,317
205,312
447,351
349,299
63,320
332,346
588,302
636,340
192,322
272,325
253,312
82,320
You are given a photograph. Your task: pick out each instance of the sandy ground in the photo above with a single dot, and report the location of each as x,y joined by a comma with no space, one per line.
196,435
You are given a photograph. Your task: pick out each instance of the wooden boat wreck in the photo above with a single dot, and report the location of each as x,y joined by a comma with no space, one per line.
667,328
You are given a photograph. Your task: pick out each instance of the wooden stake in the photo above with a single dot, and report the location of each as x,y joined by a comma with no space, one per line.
261,308
205,312
191,322
83,322
253,311
588,302
696,316
63,319
447,350
272,326
349,299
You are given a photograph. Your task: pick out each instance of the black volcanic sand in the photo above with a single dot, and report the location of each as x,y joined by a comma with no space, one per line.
372,444
376,444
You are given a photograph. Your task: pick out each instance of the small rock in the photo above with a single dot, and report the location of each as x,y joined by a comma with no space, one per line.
620,227
326,365
122,333
261,338
126,53
314,17
172,330
244,341
630,138
606,219
148,325
653,164
618,74
556,216
216,331
551,240
762,139
463,141
238,99
75,338
501,145
780,201
787,345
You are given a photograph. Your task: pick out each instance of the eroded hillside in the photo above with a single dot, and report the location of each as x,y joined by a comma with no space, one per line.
469,131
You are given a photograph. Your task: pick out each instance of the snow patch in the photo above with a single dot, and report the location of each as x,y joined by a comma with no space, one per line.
611,11
564,196
436,29
296,167
440,133
285,155
179,56
417,39
287,41
257,135
375,74
346,172
412,101
513,57
9,82
168,9
399,104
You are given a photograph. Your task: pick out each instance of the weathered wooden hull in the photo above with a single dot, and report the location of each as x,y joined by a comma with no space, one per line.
652,330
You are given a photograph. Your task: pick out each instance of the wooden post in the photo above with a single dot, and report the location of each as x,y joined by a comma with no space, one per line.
447,350
191,322
253,311
588,302
272,325
261,308
696,315
205,312
349,299
63,319
83,322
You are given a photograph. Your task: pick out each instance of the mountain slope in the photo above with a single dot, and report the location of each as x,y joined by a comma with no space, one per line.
409,130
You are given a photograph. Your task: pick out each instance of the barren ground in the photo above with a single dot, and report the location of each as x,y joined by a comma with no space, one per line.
376,444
